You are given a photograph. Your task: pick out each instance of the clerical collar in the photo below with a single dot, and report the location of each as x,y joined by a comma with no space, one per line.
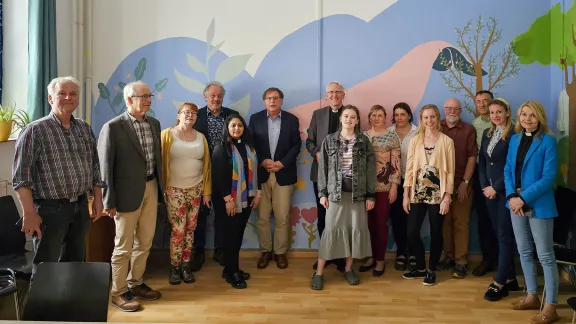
528,134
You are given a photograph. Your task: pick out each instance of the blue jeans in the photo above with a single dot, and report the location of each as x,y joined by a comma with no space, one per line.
502,223
539,231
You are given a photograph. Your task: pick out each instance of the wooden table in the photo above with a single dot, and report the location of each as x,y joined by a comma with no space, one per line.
100,239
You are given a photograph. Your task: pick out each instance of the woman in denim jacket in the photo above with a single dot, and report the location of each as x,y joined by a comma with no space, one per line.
347,189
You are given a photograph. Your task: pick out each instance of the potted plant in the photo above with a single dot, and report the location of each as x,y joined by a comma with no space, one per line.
11,121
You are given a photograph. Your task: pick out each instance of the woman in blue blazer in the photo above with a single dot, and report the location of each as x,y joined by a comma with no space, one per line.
529,177
492,159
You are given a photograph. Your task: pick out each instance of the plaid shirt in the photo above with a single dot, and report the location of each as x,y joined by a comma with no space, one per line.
144,134
56,162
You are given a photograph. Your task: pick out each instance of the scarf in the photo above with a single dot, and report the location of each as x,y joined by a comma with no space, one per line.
243,188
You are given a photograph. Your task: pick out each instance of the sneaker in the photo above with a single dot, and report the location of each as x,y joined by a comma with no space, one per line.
145,292
414,274
430,279
495,293
175,276
126,302
445,264
460,271
412,263
401,264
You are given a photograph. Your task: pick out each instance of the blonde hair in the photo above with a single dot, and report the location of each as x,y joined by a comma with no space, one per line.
374,109
504,104
421,129
540,116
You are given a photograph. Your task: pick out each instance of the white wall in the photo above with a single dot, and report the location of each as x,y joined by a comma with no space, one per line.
15,58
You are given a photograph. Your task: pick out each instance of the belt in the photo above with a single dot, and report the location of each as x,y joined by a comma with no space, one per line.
64,200
150,177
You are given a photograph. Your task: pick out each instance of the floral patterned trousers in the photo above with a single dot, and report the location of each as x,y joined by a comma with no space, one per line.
183,206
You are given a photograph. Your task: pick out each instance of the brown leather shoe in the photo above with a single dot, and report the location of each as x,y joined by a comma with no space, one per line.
145,292
281,261
265,258
522,305
126,302
543,319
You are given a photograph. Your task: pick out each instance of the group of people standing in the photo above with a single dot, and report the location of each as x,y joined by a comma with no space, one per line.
211,159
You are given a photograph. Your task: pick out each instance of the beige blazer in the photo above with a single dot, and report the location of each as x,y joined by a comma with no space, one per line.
442,159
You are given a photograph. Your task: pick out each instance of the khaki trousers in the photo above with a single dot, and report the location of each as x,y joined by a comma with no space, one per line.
456,230
134,233
274,198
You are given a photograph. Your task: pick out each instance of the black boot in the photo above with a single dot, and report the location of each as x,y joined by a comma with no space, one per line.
174,278
197,261
187,275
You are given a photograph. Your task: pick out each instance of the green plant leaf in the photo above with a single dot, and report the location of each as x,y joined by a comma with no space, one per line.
242,105
177,104
195,63
140,69
210,32
231,67
118,99
188,83
214,49
121,85
104,92
160,85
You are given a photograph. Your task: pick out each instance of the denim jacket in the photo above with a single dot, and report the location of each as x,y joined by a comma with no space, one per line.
363,169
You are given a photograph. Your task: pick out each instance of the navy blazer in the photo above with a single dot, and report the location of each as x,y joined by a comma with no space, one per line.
287,149
538,174
491,168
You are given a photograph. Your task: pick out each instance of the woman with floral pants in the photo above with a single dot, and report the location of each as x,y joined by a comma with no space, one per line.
186,170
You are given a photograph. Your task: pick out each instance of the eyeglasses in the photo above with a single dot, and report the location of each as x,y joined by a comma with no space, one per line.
334,92
273,98
146,96
453,108
188,113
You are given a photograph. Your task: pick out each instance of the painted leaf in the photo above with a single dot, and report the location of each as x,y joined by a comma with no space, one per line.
214,49
453,56
104,92
188,83
242,105
121,85
231,67
210,32
118,99
195,63
177,104
140,69
160,85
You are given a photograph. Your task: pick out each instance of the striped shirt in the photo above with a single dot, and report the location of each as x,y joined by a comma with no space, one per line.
144,134
56,162
347,156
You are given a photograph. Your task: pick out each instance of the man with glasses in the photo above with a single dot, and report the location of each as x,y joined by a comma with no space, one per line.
324,121
457,221
131,160
211,123
277,139
55,166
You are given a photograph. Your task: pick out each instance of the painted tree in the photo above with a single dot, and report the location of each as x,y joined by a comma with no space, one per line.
465,74
551,39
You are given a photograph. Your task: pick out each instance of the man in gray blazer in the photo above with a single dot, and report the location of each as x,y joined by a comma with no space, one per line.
324,121
130,158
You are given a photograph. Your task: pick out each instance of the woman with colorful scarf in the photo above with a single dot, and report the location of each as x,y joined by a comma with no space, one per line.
235,192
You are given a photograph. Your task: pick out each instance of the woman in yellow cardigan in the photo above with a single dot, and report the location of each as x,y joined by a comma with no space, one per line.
428,189
187,174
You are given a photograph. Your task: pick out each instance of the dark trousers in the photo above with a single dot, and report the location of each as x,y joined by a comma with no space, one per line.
500,216
378,225
399,221
416,246
565,203
233,227
64,228
486,234
202,224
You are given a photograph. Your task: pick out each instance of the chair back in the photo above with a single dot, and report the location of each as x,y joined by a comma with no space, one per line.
69,292
12,239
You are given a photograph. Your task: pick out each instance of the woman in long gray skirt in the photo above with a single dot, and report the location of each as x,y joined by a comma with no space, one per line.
347,189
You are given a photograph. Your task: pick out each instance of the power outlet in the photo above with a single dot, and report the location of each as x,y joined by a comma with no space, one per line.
3,187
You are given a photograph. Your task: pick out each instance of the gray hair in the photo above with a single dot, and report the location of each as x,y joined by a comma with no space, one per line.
214,83
336,83
130,89
67,79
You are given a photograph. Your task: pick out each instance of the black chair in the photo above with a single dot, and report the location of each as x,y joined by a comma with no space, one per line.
572,303
13,253
69,292
8,286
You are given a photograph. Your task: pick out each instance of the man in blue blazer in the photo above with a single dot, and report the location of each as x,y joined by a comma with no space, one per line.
277,138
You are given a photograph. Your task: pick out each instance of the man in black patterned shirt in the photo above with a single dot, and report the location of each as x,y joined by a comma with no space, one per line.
55,165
